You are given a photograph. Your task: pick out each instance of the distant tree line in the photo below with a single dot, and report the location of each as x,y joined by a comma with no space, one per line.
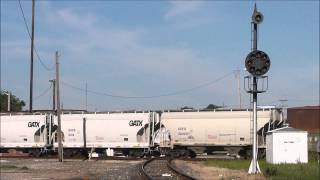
15,103
209,107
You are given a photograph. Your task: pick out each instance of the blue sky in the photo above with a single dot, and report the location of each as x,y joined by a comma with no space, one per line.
141,48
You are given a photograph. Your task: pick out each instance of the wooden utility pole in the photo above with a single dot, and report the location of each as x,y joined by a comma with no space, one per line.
53,81
60,148
31,62
237,76
86,96
8,93
9,101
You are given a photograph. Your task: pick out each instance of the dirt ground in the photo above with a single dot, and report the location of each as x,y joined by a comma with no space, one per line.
16,168
202,172
13,169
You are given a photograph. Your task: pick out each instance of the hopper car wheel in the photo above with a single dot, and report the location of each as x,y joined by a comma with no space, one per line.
192,154
184,153
35,152
69,152
84,153
180,153
173,154
156,153
261,153
136,153
248,154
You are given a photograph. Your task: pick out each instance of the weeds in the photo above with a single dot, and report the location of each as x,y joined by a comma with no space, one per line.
8,167
308,171
24,168
13,167
270,171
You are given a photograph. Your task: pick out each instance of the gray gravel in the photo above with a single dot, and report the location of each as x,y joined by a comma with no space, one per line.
12,169
159,170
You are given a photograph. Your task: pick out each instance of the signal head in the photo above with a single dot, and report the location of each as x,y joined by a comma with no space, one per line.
257,63
257,17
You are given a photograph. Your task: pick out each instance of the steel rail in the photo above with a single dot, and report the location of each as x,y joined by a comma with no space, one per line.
176,170
169,166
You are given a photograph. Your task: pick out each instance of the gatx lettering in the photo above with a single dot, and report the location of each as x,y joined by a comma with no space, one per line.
33,124
135,123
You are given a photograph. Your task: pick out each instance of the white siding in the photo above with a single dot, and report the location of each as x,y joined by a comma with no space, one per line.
269,148
287,147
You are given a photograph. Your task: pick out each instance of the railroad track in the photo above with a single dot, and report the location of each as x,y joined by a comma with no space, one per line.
162,168
28,156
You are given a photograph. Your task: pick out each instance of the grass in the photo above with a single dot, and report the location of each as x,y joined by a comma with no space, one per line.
308,171
13,167
24,168
8,167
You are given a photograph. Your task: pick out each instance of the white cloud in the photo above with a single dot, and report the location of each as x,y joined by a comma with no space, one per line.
120,60
117,55
186,14
183,8
100,42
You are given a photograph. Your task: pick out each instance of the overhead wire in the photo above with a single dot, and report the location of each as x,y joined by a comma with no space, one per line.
110,94
152,96
35,50
43,93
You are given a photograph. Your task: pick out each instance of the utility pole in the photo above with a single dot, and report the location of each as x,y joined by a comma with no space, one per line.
86,96
60,148
237,76
9,99
53,81
31,62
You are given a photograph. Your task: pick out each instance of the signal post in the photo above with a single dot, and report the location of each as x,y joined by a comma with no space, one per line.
257,64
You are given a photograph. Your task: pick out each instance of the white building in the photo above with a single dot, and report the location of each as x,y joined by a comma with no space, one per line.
287,145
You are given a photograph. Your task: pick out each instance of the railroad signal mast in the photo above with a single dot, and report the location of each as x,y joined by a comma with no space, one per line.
257,64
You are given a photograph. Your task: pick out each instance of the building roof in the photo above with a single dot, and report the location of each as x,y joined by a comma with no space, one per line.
286,130
307,107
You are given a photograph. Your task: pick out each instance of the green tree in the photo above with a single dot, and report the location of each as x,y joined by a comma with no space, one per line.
212,107
15,102
186,108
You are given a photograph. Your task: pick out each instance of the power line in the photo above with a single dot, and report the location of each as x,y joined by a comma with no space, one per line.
153,96
35,50
43,93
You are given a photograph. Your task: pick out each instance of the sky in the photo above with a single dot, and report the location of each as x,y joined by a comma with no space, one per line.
175,53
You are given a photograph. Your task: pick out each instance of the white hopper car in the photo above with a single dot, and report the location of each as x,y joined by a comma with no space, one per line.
125,133
27,132
189,133
112,133
135,134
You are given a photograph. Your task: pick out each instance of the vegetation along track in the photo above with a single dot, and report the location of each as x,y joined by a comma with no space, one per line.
162,168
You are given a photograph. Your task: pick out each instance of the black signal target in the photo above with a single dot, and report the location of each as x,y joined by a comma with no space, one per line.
257,63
